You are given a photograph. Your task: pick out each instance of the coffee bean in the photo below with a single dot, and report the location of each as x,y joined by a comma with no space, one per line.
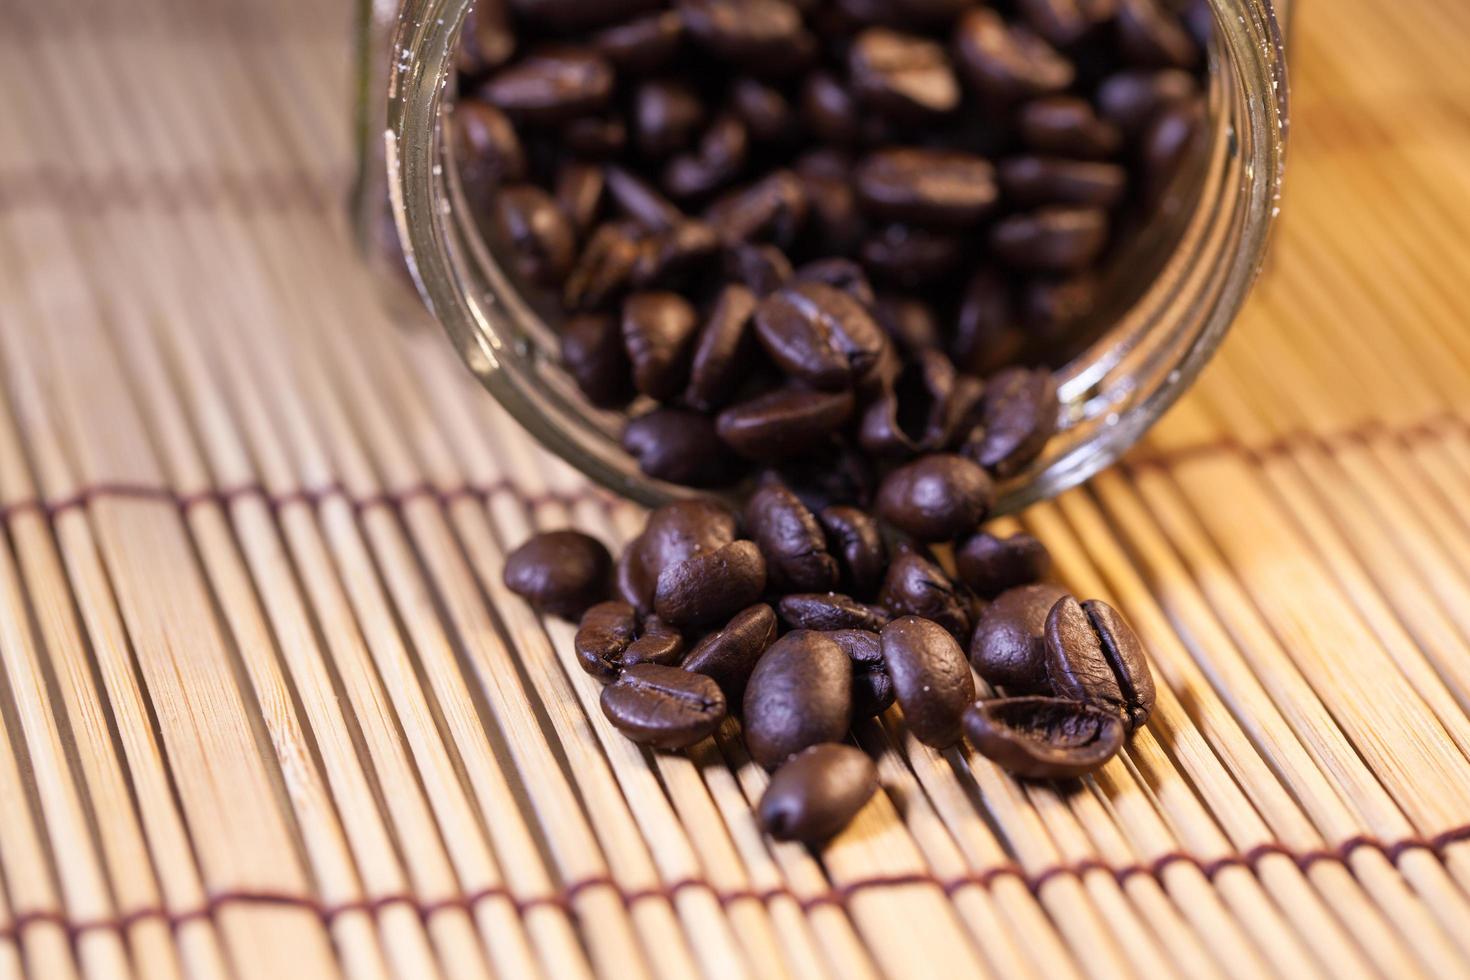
839,273
644,44
487,39
715,161
1006,64
772,208
817,792
595,137
1065,22
604,270
828,109
664,707
791,541
669,258
872,688
930,678
929,187
827,611
592,353
1067,126
835,225
658,331
658,642
762,268
710,587
1130,99
729,654
722,350
912,257
783,422
902,74
538,233
1150,36
764,109
818,334
1044,738
486,145
915,414
681,529
989,565
1009,646
799,695
574,15
909,322
915,586
579,187
854,539
937,497
760,36
1031,181
561,572
551,85
1019,417
1051,239
1093,655
666,114
986,336
680,446
604,635
639,201
1052,307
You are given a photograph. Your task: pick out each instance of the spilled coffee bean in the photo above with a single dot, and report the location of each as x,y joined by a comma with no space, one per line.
561,572
1009,646
1044,738
799,695
817,792
729,654
791,541
930,678
856,541
664,707
872,688
937,497
1093,655
916,586
712,586
990,565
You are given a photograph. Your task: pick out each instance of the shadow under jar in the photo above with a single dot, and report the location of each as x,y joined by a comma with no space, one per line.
1168,293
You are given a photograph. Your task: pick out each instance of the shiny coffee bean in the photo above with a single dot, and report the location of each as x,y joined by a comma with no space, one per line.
716,160
762,268
910,322
902,74
680,446
1019,415
937,497
1065,22
632,581
486,144
817,792
915,414
928,187
1009,646
592,353
729,654
760,36
561,572
551,85
915,586
1093,655
722,350
576,15
710,587
1044,738
839,273
912,257
1030,181
1067,126
828,109
542,245
930,678
854,539
1051,239
784,422
682,529
487,39
642,45
666,115
663,707
764,109
791,541
827,611
872,688
604,270
639,201
986,336
773,208
579,188
604,635
1006,64
658,642
799,695
1129,99
818,335
1149,35
989,565
658,332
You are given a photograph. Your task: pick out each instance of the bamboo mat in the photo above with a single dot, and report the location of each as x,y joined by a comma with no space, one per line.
267,711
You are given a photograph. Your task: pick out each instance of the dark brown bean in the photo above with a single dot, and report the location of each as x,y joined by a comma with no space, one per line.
710,587
604,635
579,187
827,611
561,572
937,497
632,580
783,422
592,353
680,446
644,44
1004,63
1009,646
765,110
833,474
664,707
1029,181
639,201
1044,738
658,642
551,85
986,336
604,270
1130,99
667,113
836,225
915,586
486,144
1019,417
911,257
915,414
722,350
715,161
658,331
1093,655
1150,36
872,688
928,187
729,654
909,322
902,74
762,268
1051,239
817,792
1067,126
682,529
773,208
989,565
854,539
760,36
799,695
669,258
839,273
540,237
930,678
791,541
818,334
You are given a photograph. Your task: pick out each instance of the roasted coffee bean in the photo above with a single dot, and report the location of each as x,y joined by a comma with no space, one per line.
772,208
1150,36
929,187
644,44
799,695
762,268
639,201
909,322
1019,416
1044,738
722,349
710,587
487,147
989,565
872,688
595,137
716,160
632,580
680,446
1066,126
791,541
986,336
658,331
1006,64
579,189
902,74
575,15
604,635
658,642
1009,646
930,678
604,270
760,36
729,654
551,85
1093,655
1029,181
817,792
1065,22
764,109
1051,239
561,572
818,334
912,257
664,707
937,497
915,414
839,273
828,109
593,354
830,475
542,245
1130,99
666,115
854,539
670,257
783,422
682,529
915,586
827,611
1166,144
487,39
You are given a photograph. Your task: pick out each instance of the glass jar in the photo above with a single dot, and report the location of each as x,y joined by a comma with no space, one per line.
1201,254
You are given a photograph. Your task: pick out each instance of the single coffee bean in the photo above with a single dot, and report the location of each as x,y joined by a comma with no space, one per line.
1044,738
854,539
551,85
1031,181
710,587
486,144
1051,239
818,334
1019,416
664,707
604,635
990,565
561,572
667,113
487,39
760,36
915,586
928,187
872,688
722,350
799,695
764,109
911,257
680,446
828,109
930,678
729,654
839,273
592,353
632,581
910,322
642,45
915,414
817,792
1065,22
715,161
579,187
762,268
1006,64
986,336
595,137
937,497
576,15
1067,126
604,271
783,422
1009,646
902,74
1130,99
1150,36
1093,655
681,529
658,642
773,208
791,541
658,331
539,235
638,200
827,611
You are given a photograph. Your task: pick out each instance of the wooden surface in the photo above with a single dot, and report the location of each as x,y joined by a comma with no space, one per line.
267,711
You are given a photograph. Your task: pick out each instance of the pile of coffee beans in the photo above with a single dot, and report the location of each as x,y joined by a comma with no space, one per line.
801,621
825,237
